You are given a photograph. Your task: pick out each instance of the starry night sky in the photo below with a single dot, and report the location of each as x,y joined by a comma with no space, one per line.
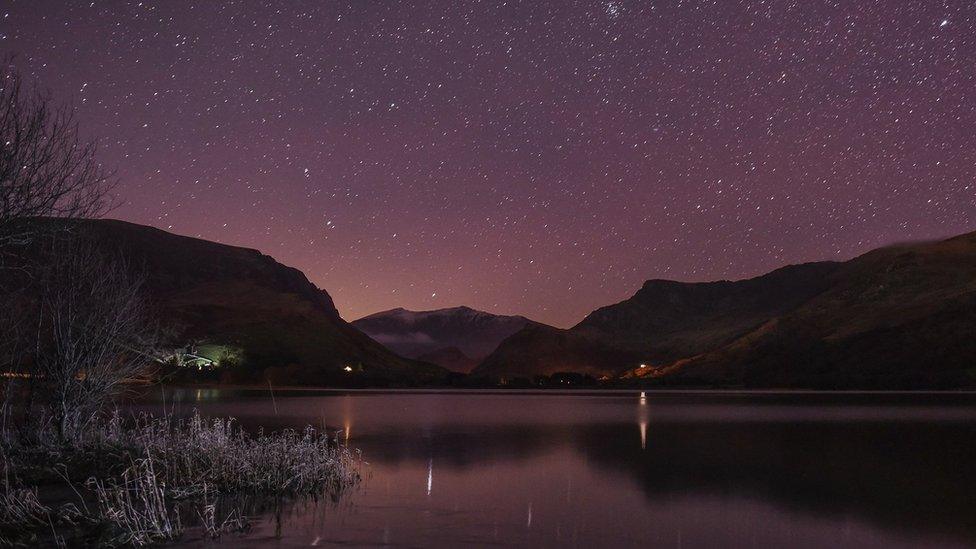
532,157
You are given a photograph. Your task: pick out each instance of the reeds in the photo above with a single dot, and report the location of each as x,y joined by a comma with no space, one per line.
194,452
21,510
136,505
151,468
21,506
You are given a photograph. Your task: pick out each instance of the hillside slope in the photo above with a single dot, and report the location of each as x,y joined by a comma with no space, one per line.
289,330
662,322
667,320
897,317
544,350
902,317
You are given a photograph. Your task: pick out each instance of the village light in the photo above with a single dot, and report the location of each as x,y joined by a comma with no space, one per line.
348,368
643,365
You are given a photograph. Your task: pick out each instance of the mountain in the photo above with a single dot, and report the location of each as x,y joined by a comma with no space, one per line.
431,334
897,317
667,320
902,317
287,330
664,321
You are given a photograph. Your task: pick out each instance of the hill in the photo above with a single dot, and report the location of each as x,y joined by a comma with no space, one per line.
902,317
544,350
283,328
897,317
450,358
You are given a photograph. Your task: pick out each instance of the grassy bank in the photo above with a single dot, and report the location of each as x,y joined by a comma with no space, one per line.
145,480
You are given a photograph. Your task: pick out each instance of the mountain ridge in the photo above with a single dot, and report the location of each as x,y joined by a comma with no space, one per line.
797,326
430,335
288,329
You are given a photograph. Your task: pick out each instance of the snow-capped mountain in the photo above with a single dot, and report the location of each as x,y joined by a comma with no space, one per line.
415,334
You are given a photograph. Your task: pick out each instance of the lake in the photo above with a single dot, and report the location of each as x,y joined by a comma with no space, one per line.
591,469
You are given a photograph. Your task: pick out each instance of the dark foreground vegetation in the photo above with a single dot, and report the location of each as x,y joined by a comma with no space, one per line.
149,480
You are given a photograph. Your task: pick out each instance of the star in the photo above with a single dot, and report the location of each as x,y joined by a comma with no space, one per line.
517,150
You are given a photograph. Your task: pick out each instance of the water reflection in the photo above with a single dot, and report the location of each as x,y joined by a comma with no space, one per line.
863,470
642,418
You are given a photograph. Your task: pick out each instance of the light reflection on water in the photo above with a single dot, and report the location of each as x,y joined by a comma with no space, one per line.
618,469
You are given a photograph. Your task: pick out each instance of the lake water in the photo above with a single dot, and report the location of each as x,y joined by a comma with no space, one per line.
614,469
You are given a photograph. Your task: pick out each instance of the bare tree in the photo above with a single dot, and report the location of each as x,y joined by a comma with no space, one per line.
47,169
94,333
14,342
73,320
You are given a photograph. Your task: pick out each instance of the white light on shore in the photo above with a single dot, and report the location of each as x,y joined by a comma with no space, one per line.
348,368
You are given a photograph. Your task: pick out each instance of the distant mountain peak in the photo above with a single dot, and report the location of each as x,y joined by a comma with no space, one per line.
417,334
460,309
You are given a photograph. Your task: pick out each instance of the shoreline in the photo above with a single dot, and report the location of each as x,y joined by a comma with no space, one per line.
580,391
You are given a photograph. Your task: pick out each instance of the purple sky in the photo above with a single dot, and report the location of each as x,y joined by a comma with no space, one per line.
531,157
